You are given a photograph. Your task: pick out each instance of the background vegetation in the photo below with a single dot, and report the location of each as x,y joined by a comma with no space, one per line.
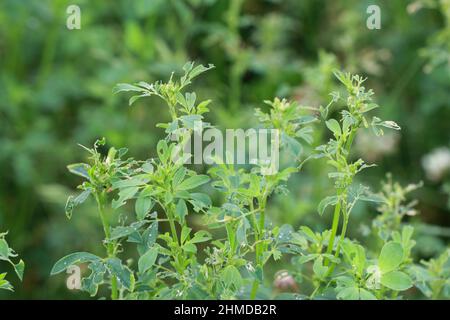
56,91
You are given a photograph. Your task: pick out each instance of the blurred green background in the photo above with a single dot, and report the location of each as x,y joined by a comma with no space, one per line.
56,91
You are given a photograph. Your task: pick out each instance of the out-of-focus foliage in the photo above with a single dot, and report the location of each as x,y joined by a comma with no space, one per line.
56,84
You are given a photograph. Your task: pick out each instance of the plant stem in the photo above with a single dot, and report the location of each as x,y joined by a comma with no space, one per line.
342,236
337,210
178,255
101,200
232,239
338,248
335,225
172,110
173,229
350,140
259,246
254,289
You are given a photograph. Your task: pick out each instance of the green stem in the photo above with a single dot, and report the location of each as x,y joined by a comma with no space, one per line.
254,289
350,140
101,200
338,248
178,255
173,112
173,229
342,236
231,239
313,294
335,225
259,232
337,211
262,218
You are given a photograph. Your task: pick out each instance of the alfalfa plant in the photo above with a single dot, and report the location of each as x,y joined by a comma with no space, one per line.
358,102
191,263
340,264
162,182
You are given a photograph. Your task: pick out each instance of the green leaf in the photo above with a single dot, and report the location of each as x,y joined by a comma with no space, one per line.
231,277
331,257
124,195
148,238
285,233
147,260
72,202
334,126
123,231
203,106
181,100
185,233
188,66
190,100
4,249
147,167
307,258
133,99
19,268
355,293
90,284
193,182
328,201
349,293
366,295
306,134
199,70
190,248
189,122
241,232
162,150
376,123
347,123
143,206
178,177
135,181
292,144
4,284
390,257
152,234
390,125
71,259
79,169
200,201
123,274
183,194
360,259
396,280
127,87
344,77
200,236
319,269
258,274
309,233
181,209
